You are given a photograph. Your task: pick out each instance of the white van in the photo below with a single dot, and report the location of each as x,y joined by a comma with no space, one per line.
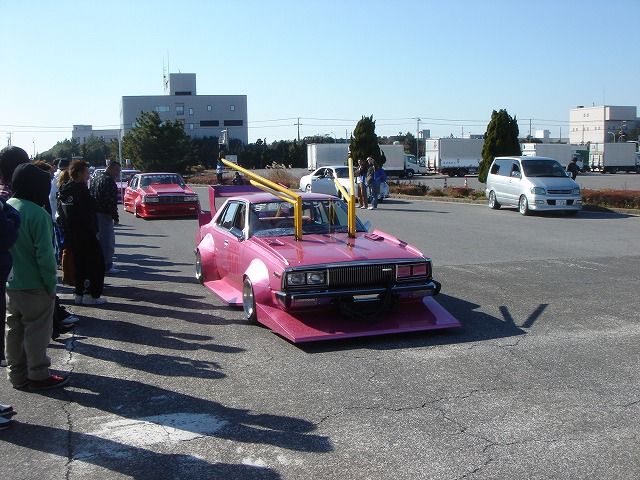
532,183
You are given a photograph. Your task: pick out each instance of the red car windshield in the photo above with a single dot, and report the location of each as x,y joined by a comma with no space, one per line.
168,179
271,219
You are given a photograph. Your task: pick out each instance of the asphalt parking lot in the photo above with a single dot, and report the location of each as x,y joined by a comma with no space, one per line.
540,382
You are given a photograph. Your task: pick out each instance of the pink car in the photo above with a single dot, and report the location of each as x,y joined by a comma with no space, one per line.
325,285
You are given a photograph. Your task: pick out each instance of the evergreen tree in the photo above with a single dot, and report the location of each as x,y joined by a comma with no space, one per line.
364,142
501,138
154,145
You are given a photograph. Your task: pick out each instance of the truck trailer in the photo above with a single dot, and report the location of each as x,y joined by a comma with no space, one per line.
613,157
453,156
562,152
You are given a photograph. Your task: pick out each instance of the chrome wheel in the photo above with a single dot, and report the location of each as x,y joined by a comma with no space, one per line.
493,203
523,206
307,188
199,275
248,301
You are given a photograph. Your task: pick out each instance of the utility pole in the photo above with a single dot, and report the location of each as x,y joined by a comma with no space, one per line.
298,124
9,140
529,128
417,138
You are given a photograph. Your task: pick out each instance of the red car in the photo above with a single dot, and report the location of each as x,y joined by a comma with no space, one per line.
151,195
305,267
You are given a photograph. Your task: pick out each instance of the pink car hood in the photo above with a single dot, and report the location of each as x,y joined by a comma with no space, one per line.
326,249
159,189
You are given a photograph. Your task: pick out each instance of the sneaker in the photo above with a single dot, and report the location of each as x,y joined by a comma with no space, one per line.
54,381
21,386
70,320
370,208
5,423
113,270
89,300
6,409
77,299
3,363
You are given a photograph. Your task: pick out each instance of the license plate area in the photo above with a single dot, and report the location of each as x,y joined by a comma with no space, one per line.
561,203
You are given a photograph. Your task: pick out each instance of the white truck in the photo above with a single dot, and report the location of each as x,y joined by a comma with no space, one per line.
453,156
325,154
613,157
397,162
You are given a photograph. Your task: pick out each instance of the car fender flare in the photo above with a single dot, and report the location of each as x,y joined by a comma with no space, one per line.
206,248
258,273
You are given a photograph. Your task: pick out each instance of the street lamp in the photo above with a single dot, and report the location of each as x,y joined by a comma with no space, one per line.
614,136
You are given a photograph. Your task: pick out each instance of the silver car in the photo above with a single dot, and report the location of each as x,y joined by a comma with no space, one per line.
532,183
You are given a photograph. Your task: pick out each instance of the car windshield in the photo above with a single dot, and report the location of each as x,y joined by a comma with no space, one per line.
128,175
168,179
342,172
543,168
272,219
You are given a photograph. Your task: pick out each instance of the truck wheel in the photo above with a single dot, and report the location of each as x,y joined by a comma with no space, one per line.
493,203
249,301
461,173
451,173
409,173
523,206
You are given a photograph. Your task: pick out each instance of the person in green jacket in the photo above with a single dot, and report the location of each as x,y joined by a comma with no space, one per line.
31,287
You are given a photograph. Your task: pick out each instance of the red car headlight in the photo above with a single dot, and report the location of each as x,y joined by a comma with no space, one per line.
150,199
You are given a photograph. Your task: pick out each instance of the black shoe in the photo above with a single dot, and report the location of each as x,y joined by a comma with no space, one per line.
60,329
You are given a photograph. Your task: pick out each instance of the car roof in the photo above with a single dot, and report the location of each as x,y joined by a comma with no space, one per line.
261,197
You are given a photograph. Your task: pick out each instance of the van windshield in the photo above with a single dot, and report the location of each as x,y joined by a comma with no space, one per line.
543,168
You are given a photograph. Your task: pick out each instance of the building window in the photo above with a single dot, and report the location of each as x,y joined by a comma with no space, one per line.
209,123
180,109
209,108
233,123
183,93
232,108
162,108
191,126
190,111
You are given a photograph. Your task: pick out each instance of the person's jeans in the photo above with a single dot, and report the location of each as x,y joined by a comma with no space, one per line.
107,238
375,191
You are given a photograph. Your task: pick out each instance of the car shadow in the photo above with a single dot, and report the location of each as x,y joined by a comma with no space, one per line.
162,297
128,460
476,326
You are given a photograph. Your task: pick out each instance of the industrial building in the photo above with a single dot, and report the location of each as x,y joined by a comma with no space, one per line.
201,115
82,133
602,124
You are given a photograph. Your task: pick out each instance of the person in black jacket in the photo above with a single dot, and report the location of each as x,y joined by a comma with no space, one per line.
77,212
9,224
104,190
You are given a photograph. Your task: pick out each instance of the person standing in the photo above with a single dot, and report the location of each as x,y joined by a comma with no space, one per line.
371,183
9,224
77,213
219,169
361,175
573,167
104,191
32,285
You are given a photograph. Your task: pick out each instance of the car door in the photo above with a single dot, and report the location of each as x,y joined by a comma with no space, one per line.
228,236
130,193
514,183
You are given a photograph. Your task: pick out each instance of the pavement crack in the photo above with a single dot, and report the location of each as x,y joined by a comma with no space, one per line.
477,469
70,346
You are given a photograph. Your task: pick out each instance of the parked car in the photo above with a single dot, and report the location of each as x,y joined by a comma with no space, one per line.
160,195
327,283
532,184
322,181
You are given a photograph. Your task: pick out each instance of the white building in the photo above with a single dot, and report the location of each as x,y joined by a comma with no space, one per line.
600,124
201,115
82,133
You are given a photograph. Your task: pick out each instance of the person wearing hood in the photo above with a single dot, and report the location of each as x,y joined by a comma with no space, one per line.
31,286
10,158
77,213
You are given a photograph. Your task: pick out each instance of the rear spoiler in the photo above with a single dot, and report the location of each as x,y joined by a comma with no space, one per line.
222,191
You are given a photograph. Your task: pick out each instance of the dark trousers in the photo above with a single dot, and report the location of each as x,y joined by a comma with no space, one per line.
4,274
89,266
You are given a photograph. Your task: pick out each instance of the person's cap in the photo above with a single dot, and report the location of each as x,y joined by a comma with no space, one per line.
63,163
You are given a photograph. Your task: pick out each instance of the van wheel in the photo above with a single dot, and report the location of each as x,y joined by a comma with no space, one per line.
523,206
249,301
493,203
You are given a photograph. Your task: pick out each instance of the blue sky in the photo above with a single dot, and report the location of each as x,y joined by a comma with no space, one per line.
329,62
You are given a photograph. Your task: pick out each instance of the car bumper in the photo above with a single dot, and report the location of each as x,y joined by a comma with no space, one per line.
150,210
548,203
303,300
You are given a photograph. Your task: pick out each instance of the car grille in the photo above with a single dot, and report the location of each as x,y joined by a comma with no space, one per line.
170,198
559,192
362,276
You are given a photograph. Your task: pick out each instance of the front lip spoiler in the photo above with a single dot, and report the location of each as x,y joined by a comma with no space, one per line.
431,288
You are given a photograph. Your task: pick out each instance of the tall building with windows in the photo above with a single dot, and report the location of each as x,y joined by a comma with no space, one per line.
201,115
601,124
82,133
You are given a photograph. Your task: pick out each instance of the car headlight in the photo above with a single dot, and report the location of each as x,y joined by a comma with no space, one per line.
538,191
150,199
575,191
412,270
296,279
315,278
190,198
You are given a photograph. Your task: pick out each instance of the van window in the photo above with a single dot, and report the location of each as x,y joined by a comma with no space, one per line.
515,170
501,167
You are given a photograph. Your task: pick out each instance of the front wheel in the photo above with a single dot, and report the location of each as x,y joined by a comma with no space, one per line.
409,173
523,206
307,188
249,301
493,203
199,274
